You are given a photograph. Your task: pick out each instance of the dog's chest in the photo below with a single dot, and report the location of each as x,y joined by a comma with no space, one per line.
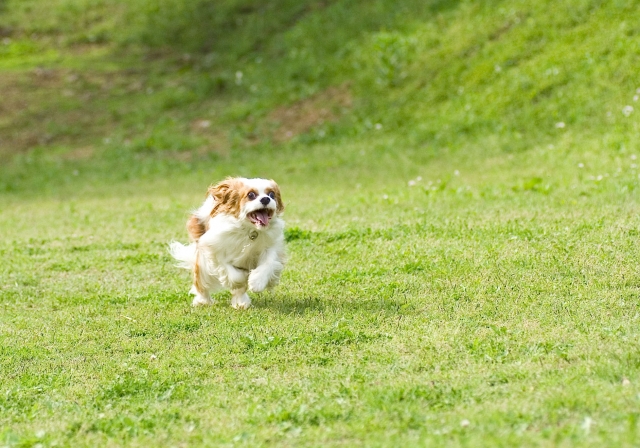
248,249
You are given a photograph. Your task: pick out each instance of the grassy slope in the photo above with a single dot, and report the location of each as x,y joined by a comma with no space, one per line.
500,288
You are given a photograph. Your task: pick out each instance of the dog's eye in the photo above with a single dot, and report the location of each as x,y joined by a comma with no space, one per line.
272,195
251,195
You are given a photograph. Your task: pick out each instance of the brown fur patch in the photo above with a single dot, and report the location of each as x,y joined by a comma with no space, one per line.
196,276
195,228
276,190
227,196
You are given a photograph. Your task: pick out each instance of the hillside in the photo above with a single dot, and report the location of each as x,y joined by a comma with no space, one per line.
200,82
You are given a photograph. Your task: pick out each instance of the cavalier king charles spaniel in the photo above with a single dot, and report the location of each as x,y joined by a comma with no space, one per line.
237,240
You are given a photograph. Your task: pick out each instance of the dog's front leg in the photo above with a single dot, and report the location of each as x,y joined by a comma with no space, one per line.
267,273
236,277
240,299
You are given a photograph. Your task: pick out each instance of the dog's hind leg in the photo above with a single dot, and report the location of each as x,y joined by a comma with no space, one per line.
203,281
201,298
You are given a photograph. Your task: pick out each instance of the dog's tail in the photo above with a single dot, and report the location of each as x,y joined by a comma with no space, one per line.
189,257
186,256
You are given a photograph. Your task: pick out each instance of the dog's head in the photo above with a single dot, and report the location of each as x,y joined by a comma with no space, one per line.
256,200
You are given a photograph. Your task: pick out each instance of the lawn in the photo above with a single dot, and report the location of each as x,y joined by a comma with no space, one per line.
461,184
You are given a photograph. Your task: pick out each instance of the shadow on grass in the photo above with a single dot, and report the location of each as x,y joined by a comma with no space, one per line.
290,304
249,25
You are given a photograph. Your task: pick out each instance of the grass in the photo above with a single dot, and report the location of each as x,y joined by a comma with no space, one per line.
462,222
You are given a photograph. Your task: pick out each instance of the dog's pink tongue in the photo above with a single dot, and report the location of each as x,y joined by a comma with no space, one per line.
262,217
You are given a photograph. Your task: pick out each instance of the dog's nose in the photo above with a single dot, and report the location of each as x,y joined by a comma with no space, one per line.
265,200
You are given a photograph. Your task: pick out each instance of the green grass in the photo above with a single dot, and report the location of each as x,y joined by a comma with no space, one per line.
461,182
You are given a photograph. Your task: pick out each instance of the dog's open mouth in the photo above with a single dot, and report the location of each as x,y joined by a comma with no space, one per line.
261,217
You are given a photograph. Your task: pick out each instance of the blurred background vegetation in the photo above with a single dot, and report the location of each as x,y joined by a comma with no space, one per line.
119,90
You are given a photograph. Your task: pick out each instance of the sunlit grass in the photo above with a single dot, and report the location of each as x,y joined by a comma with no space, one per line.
462,267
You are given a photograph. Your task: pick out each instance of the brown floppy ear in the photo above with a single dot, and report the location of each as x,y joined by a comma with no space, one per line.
276,191
227,196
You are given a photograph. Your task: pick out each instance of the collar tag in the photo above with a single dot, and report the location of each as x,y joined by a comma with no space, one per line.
253,235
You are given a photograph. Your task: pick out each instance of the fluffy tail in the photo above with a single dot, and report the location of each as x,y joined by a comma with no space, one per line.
184,255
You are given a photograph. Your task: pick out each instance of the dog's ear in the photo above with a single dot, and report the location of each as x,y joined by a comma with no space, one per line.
225,191
276,191
227,196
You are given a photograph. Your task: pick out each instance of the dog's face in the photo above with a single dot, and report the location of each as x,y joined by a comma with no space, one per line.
256,200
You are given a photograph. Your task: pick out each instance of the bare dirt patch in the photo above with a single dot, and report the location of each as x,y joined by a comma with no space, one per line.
300,117
217,141
45,107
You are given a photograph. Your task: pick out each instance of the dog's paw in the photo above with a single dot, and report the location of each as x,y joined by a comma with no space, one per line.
241,302
199,300
241,306
258,281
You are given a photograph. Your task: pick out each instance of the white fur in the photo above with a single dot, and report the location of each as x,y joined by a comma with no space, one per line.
227,255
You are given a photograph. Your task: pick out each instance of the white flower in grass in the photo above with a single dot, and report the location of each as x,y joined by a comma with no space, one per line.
560,125
464,423
203,124
581,165
412,183
378,126
627,110
586,424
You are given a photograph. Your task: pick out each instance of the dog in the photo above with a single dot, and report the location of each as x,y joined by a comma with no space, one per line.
237,241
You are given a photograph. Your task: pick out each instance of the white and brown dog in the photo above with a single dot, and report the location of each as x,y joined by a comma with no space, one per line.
237,240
